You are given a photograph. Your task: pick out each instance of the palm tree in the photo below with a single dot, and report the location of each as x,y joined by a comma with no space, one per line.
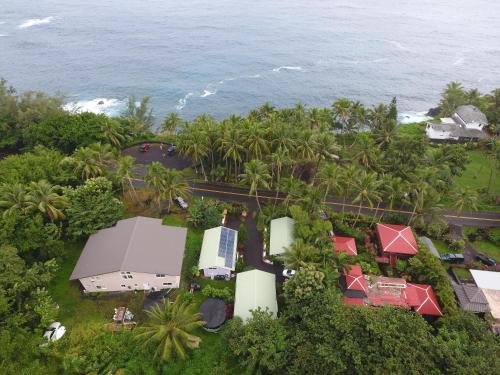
195,146
171,123
464,198
378,116
255,141
325,148
367,153
329,178
12,198
300,253
170,328
140,114
367,190
256,175
305,150
278,160
154,179
174,185
45,198
232,148
124,172
85,162
113,132
453,96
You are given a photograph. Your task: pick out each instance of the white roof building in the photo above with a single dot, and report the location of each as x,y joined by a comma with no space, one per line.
282,235
255,289
219,249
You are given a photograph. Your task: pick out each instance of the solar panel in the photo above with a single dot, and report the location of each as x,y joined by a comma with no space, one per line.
226,245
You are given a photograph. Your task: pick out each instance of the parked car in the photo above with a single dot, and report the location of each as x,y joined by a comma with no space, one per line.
220,277
288,272
171,150
144,147
452,258
181,202
486,260
54,332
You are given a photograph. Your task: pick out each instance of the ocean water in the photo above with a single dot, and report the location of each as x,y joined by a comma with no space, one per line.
229,56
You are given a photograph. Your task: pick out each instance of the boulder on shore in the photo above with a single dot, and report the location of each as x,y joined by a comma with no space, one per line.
433,112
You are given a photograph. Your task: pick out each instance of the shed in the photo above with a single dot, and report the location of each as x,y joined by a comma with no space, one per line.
430,245
345,245
282,235
255,289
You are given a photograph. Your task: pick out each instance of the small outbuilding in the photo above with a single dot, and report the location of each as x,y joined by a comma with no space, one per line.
282,235
255,289
345,245
218,252
213,313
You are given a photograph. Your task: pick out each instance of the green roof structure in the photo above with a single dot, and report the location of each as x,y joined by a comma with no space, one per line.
281,235
255,289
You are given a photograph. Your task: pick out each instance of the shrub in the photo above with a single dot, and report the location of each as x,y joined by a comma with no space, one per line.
339,227
205,214
225,293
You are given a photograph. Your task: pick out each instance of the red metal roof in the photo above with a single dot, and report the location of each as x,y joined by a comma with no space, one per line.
345,245
354,279
397,239
422,298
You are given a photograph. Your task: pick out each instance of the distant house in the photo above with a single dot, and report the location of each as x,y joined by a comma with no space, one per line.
466,124
395,242
282,235
470,298
489,283
255,289
137,254
345,245
370,290
218,252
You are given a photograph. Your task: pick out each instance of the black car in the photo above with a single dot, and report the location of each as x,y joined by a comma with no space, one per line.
452,258
486,260
220,277
171,150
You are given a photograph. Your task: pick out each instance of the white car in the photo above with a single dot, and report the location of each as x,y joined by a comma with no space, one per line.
54,333
288,272
182,203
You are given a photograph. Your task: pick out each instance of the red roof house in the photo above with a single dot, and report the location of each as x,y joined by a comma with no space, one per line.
354,282
383,291
396,241
422,299
345,245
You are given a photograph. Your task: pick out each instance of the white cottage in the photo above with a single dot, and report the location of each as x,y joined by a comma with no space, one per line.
218,252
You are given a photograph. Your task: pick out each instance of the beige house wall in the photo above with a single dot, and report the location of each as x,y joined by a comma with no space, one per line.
123,281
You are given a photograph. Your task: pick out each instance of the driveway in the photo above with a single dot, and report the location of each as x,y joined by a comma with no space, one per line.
155,154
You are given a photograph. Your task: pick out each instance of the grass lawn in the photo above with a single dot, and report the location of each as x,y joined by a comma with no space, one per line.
484,246
476,176
411,130
76,309
442,247
462,273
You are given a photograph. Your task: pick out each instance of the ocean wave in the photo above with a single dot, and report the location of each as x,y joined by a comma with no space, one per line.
459,61
110,107
35,22
183,101
280,68
208,93
412,116
2,35
400,46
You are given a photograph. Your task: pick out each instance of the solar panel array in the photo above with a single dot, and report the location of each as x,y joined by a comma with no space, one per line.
226,245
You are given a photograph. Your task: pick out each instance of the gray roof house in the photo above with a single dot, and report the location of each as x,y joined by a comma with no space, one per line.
469,114
136,254
471,298
467,123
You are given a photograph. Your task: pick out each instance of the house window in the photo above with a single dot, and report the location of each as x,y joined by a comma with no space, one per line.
100,287
130,276
123,286
167,283
160,275
124,276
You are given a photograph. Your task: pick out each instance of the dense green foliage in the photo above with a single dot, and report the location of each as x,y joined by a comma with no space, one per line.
92,207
